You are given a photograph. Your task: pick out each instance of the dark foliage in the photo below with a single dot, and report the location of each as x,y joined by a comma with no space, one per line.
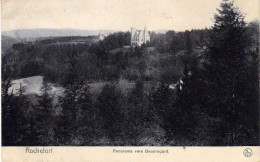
198,87
228,79
109,106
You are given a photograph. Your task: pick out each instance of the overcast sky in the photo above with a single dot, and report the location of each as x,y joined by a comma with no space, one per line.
178,15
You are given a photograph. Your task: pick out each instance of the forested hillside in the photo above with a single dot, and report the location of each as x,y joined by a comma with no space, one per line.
7,42
198,87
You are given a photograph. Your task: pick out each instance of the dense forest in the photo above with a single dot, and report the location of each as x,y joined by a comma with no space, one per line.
197,87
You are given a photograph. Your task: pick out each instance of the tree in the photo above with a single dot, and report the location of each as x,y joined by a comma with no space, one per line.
29,128
188,42
136,114
9,114
45,101
88,118
109,104
72,99
45,109
227,75
189,104
162,105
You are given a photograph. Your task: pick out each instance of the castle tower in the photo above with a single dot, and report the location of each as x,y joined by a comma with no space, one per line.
132,35
139,37
145,35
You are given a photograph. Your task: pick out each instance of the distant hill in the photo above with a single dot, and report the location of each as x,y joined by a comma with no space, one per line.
163,31
7,43
68,40
33,34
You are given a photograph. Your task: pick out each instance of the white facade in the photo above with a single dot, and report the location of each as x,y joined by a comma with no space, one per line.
139,37
101,36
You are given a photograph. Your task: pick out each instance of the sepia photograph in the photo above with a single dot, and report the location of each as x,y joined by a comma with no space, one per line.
130,73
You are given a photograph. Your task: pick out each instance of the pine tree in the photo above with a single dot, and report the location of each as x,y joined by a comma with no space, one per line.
189,102
188,42
45,107
28,119
109,103
88,118
9,114
45,100
136,107
18,130
227,74
162,106
72,100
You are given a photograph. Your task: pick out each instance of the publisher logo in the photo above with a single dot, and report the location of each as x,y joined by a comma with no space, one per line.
248,152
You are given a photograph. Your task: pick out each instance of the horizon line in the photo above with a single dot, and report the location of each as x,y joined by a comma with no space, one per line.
102,29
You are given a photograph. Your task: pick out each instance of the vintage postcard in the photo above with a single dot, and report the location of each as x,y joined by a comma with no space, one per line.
130,80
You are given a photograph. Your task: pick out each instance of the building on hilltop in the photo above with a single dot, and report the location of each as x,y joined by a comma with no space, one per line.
139,37
101,36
